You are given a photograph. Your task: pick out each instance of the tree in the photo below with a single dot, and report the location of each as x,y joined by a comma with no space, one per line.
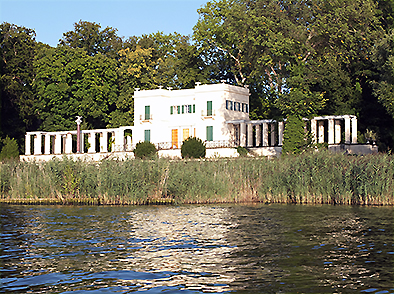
90,37
9,150
294,136
267,40
17,49
69,82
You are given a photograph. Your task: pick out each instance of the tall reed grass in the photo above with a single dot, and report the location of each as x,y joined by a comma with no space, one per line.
314,178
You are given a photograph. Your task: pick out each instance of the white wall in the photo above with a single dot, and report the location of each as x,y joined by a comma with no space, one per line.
162,122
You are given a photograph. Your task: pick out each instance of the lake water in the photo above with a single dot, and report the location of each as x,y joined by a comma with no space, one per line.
197,249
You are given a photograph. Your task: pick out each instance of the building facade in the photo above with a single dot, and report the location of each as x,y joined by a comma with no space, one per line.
216,113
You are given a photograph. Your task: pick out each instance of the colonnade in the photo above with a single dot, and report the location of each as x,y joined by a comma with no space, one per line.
341,129
264,133
38,143
334,131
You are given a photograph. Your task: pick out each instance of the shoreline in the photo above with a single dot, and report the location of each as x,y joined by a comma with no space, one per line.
311,178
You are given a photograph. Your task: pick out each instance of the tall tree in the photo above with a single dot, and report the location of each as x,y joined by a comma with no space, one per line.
268,40
69,82
89,36
17,50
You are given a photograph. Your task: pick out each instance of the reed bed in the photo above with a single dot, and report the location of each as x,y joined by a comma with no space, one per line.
312,178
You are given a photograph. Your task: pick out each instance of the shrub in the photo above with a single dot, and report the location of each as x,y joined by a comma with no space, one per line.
242,151
10,149
144,150
193,147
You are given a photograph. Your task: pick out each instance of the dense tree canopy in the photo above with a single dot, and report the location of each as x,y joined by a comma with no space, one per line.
17,50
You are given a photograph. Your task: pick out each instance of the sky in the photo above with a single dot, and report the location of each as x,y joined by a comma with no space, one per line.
51,18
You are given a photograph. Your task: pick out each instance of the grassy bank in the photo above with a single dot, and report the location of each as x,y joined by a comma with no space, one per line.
310,178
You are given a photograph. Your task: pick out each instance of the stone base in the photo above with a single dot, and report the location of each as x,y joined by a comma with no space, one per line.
358,149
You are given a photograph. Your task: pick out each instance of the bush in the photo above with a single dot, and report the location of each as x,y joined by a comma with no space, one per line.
193,147
144,150
10,149
242,151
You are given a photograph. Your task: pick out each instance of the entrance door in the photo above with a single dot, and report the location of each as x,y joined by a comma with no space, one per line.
185,134
174,138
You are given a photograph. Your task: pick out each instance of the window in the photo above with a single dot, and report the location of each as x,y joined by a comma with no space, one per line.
147,135
231,105
209,133
179,109
246,108
174,138
147,112
171,109
194,108
209,108
183,108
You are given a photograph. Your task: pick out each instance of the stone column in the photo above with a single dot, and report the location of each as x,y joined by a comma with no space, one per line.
337,132
347,130
331,131
119,140
47,144
242,134
92,142
281,129
69,144
354,130
273,134
37,144
27,144
313,130
250,135
128,143
258,135
265,134
104,141
320,124
82,142
58,143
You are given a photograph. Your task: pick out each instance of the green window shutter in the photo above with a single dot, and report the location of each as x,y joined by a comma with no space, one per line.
179,109
209,108
183,108
194,108
171,109
209,133
147,135
147,112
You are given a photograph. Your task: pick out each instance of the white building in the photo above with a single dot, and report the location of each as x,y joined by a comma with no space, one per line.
216,113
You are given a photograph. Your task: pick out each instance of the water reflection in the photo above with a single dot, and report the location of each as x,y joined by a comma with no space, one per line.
195,249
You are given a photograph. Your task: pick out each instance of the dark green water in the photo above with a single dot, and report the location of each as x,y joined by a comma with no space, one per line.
197,249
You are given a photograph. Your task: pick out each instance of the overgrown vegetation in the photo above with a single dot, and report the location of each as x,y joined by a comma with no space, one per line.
10,150
313,178
193,147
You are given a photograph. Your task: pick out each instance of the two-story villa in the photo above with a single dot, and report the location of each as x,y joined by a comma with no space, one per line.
216,113
166,118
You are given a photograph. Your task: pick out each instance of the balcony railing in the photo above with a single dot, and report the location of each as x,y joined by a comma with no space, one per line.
208,144
146,117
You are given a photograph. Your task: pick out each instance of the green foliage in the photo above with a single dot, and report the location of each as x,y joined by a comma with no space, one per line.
68,83
144,149
242,151
294,136
193,147
17,50
90,37
310,178
10,149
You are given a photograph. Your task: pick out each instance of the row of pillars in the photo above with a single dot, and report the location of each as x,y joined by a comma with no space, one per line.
62,143
334,131
261,134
